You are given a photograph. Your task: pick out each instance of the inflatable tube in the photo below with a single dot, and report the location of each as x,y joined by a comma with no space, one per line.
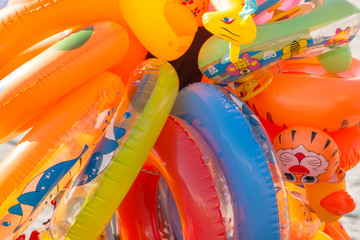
276,10
113,166
135,55
323,29
156,24
348,142
32,171
58,70
196,181
237,139
45,19
31,52
330,103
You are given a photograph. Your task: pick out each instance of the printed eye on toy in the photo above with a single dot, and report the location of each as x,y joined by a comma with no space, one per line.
228,20
308,179
310,157
290,177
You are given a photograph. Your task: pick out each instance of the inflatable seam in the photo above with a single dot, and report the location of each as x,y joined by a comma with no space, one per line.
19,15
62,66
178,123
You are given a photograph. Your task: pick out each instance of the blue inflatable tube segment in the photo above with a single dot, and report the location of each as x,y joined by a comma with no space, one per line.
245,155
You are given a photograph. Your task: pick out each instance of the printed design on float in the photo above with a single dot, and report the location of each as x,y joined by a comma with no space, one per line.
38,188
295,48
250,86
243,66
185,2
197,8
223,71
340,37
196,11
300,161
75,40
103,153
41,222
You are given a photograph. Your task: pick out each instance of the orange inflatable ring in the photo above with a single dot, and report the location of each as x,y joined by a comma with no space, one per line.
187,165
37,168
46,18
303,94
61,68
32,52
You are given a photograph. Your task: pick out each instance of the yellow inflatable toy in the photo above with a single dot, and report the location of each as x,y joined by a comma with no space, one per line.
233,23
304,222
310,157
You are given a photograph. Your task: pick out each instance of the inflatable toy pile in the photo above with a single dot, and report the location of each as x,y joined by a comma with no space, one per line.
113,150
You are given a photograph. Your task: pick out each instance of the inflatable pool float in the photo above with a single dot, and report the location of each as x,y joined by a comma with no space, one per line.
190,169
324,32
238,141
302,93
95,194
45,160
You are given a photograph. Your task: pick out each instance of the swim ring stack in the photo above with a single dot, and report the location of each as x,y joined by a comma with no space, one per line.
112,149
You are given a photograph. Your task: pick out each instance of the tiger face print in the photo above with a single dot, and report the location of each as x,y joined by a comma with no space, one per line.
307,155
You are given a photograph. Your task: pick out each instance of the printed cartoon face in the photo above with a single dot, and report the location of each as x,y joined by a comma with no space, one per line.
301,165
229,26
307,155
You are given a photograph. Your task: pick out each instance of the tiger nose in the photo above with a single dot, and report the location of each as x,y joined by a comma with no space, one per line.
298,169
299,156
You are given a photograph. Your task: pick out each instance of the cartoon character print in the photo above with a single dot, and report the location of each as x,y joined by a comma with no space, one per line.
307,155
197,8
295,48
43,188
34,194
41,222
185,2
244,66
340,37
299,161
102,154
